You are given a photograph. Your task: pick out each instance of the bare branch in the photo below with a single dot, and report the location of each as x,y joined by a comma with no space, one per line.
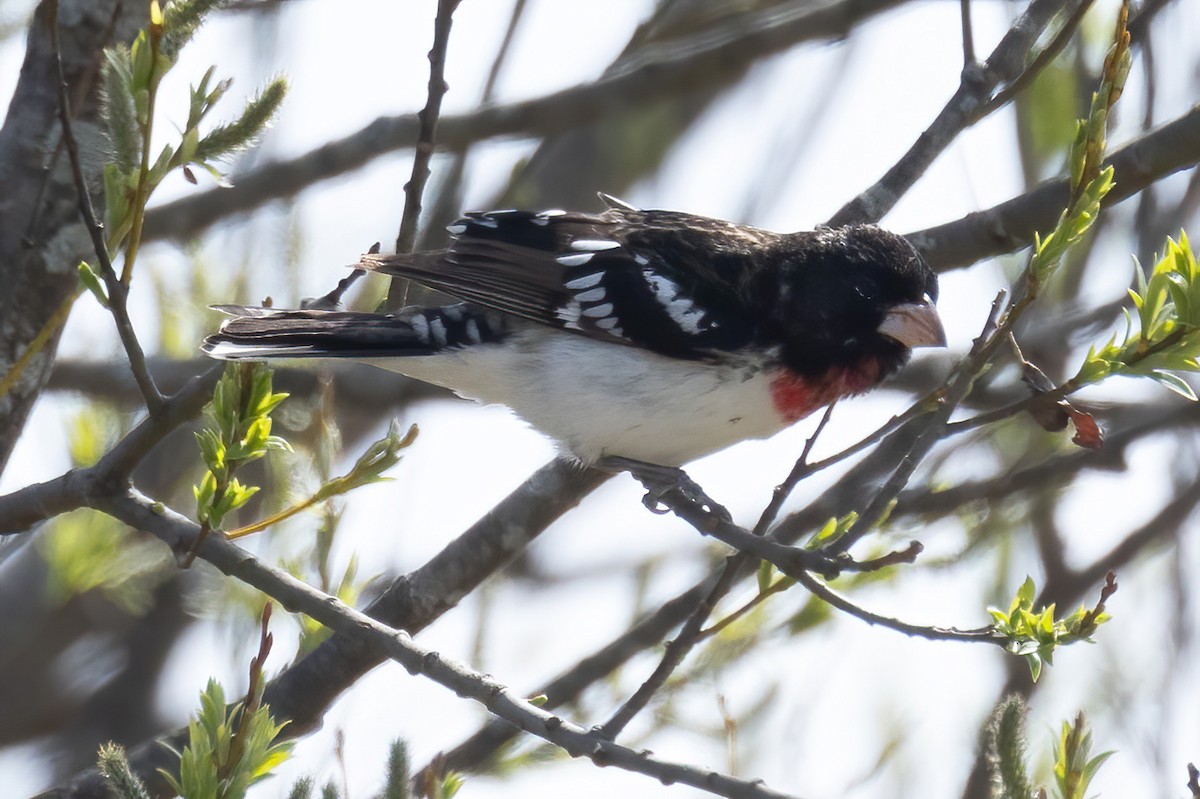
1046,55
25,507
428,117
303,692
842,603
966,107
1010,225
662,72
118,293
180,534
42,237
414,189
968,34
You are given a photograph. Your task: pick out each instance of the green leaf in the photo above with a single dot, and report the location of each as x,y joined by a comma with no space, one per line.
1035,666
182,19
227,139
141,56
118,107
1174,382
116,198
92,283
1026,592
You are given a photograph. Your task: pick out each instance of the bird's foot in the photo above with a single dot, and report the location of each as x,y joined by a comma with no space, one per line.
659,481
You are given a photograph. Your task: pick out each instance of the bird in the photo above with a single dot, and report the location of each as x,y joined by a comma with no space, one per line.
631,337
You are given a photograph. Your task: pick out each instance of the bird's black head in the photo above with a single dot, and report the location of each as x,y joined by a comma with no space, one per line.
851,296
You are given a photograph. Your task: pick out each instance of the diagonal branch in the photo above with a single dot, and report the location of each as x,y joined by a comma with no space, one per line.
27,506
966,106
296,596
303,692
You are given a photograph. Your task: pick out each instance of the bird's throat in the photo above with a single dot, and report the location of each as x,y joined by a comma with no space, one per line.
795,396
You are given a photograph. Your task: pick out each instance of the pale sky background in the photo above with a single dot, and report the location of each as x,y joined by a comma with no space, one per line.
844,690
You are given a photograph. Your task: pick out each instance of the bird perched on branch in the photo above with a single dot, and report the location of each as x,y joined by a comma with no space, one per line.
645,336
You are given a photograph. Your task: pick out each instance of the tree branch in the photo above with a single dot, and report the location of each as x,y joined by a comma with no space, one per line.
1010,225
41,240
118,293
180,534
967,106
303,692
662,72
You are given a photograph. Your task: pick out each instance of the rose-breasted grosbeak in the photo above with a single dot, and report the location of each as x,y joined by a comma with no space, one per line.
648,335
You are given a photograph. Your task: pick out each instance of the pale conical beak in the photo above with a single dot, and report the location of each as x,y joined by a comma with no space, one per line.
914,324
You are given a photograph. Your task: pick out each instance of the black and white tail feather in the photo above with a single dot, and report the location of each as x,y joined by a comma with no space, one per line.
253,333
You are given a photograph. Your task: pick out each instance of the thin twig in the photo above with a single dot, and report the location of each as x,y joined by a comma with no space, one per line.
998,328
1047,54
676,649
692,630
414,189
593,668
751,545
568,686
924,432
907,555
799,471
824,592
968,35
1059,392
444,197
118,294
427,132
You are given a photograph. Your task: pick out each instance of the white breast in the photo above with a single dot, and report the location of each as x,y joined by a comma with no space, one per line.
597,399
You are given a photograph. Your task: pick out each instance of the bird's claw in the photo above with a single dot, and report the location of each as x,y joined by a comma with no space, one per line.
661,481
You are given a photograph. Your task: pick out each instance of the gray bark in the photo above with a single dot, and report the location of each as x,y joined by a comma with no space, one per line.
41,236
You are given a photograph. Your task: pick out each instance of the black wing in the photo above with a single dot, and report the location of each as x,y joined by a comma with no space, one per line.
677,284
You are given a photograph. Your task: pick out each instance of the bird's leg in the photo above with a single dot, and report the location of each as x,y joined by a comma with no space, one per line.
661,480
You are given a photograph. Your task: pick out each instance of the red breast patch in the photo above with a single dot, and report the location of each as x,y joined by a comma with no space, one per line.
796,397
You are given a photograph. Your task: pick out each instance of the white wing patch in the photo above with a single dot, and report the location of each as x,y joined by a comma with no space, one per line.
544,217
682,311
610,324
473,331
585,282
575,259
594,245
